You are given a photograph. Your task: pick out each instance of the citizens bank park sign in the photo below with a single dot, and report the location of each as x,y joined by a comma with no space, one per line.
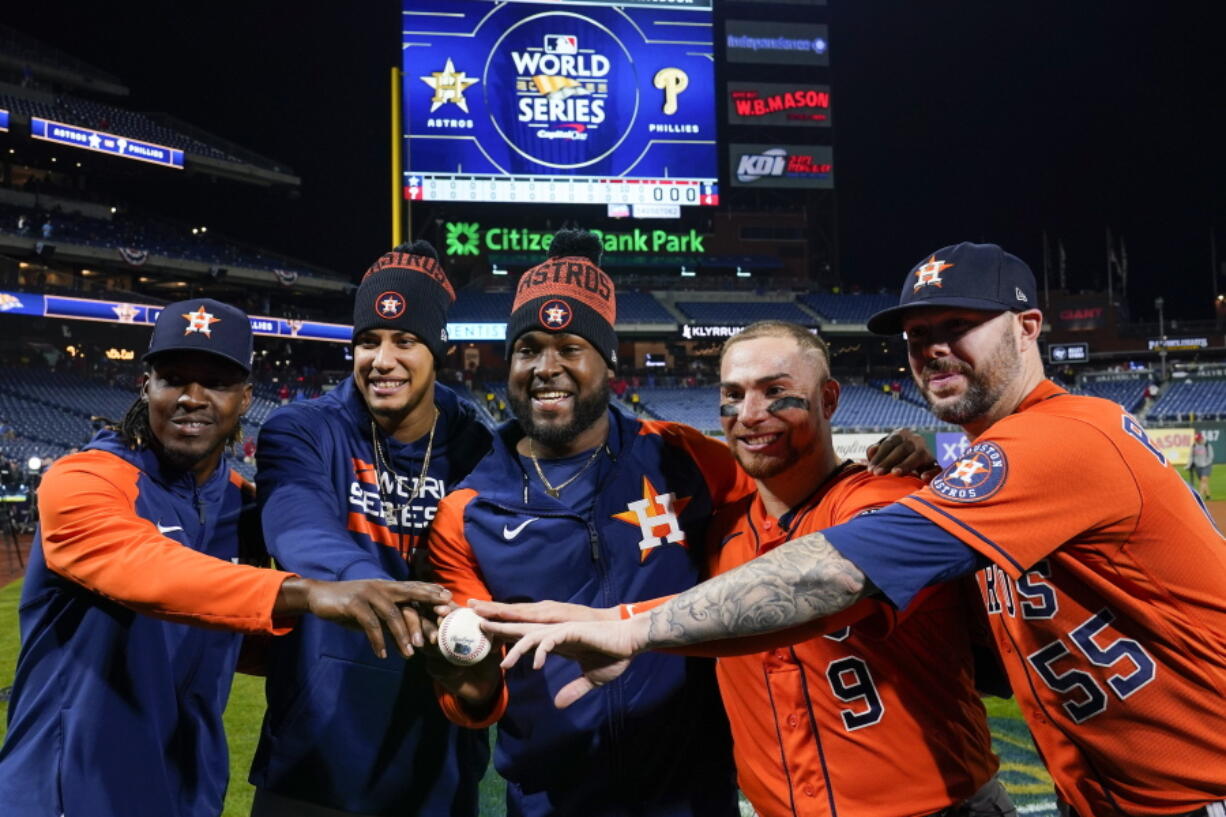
462,238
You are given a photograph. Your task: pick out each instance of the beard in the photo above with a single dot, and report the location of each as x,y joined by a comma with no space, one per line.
760,466
983,389
588,409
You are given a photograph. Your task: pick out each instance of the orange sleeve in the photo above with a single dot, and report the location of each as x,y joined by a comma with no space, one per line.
1030,490
92,535
725,480
457,713
453,565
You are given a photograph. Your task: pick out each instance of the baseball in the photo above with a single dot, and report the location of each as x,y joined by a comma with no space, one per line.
460,638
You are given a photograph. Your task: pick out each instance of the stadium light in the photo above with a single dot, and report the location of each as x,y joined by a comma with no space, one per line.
743,273
195,231
204,229
114,209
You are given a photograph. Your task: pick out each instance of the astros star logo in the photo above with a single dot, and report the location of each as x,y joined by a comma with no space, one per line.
967,470
390,305
449,86
200,321
555,315
656,516
930,273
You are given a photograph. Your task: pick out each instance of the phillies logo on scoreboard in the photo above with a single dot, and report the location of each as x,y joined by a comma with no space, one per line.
566,98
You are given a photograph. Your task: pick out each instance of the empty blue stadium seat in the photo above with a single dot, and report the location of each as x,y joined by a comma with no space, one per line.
857,308
739,313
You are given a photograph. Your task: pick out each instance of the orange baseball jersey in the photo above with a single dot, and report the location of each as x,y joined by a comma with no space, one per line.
1106,594
878,719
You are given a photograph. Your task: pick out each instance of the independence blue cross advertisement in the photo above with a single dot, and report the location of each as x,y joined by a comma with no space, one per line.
560,90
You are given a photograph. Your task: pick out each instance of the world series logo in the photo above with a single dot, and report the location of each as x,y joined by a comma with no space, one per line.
555,98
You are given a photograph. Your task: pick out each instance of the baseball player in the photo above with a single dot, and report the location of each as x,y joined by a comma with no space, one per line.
581,503
134,604
348,484
819,722
1103,591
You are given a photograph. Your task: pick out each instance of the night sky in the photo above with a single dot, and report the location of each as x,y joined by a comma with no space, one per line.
955,119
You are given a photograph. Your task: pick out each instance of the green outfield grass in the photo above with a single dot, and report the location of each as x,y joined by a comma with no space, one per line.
1021,769
1217,481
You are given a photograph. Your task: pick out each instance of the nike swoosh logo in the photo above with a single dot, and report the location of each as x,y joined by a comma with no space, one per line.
730,537
510,533
168,528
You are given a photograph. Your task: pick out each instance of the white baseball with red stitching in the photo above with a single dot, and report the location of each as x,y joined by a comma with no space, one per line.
460,638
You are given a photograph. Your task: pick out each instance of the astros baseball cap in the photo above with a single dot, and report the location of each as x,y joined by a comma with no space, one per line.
203,325
966,275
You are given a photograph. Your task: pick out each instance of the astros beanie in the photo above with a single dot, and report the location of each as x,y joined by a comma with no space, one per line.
568,293
406,289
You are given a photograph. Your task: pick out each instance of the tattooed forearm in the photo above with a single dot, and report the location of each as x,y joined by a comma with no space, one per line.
793,584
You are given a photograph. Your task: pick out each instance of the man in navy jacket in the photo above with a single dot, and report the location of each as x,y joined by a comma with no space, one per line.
581,503
134,603
348,484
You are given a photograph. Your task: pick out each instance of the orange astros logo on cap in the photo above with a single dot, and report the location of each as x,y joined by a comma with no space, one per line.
929,274
390,305
555,315
200,321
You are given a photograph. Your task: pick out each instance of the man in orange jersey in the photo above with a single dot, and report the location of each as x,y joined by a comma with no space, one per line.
117,702
820,722
1104,592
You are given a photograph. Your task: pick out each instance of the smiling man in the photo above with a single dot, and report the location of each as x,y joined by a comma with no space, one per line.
580,503
116,707
348,485
1103,591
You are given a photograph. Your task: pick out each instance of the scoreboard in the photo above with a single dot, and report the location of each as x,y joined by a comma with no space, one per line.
580,102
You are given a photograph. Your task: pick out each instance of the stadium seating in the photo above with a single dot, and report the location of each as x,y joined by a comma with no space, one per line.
848,308
93,115
1191,399
481,307
739,313
641,307
697,407
131,231
870,407
1129,393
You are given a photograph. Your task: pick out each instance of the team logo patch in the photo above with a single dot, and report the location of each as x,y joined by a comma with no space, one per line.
200,321
928,274
390,305
8,302
976,475
555,315
658,518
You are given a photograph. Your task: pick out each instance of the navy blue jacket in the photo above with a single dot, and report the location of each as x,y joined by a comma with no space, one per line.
345,729
117,704
655,741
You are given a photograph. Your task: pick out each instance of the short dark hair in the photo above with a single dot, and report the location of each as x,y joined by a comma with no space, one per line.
806,340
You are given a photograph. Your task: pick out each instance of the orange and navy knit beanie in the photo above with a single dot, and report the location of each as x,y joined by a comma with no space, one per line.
569,292
406,289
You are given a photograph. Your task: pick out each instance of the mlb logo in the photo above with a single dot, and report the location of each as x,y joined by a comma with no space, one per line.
561,44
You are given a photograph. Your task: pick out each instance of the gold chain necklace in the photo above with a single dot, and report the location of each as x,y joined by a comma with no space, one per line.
383,461
555,490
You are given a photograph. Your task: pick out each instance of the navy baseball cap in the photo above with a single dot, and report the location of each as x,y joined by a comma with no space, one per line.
966,275
203,325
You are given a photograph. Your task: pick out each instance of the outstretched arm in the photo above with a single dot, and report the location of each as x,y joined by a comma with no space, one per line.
797,582
793,584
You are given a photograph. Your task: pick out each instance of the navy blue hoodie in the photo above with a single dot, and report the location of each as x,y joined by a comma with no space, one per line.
345,729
